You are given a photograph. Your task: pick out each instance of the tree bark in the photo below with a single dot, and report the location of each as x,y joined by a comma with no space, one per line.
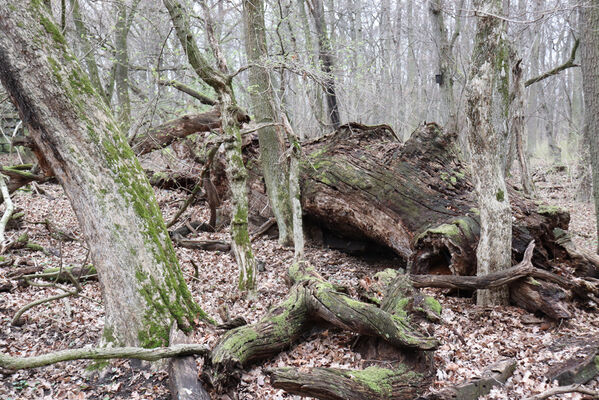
274,166
590,85
487,149
143,288
236,171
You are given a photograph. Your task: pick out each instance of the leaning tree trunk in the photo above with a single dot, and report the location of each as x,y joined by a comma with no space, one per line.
487,148
142,285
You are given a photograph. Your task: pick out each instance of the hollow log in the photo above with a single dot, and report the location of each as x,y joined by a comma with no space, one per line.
415,198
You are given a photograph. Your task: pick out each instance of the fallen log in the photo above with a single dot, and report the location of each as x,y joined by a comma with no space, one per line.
415,198
171,131
183,372
405,375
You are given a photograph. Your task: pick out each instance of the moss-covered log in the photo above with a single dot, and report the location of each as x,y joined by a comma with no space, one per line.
415,198
310,298
372,383
405,375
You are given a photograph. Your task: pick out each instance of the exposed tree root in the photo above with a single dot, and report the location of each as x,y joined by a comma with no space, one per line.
310,298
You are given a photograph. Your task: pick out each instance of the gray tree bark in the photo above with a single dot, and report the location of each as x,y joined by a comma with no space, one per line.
590,85
486,149
70,125
262,99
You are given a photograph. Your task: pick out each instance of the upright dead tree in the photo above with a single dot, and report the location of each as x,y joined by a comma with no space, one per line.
590,86
236,171
486,148
262,100
71,127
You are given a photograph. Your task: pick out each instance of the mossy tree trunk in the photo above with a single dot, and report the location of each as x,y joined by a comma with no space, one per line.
487,149
236,171
274,166
70,125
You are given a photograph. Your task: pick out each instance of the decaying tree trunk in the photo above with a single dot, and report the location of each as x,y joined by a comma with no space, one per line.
415,198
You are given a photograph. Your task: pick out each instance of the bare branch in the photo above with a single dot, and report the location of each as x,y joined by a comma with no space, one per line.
568,64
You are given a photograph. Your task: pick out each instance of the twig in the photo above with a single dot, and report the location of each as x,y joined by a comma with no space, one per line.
565,389
138,353
17,317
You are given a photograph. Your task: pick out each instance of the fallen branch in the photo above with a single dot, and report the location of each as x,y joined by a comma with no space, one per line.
208,245
566,389
97,353
17,318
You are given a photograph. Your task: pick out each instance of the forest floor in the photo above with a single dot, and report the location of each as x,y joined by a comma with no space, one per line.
471,337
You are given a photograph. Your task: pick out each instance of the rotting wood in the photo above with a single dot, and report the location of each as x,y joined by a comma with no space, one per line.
183,372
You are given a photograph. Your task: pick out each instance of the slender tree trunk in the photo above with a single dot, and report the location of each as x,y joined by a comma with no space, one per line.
326,58
486,148
518,126
590,85
88,53
445,65
274,166
142,284
121,75
236,171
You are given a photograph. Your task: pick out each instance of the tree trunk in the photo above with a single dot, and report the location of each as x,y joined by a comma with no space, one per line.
236,171
121,73
590,85
326,58
262,99
142,285
487,149
518,126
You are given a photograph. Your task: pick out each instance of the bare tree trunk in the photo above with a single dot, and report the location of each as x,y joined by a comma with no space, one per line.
590,86
88,53
518,126
486,149
446,65
142,284
274,166
326,58
121,73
